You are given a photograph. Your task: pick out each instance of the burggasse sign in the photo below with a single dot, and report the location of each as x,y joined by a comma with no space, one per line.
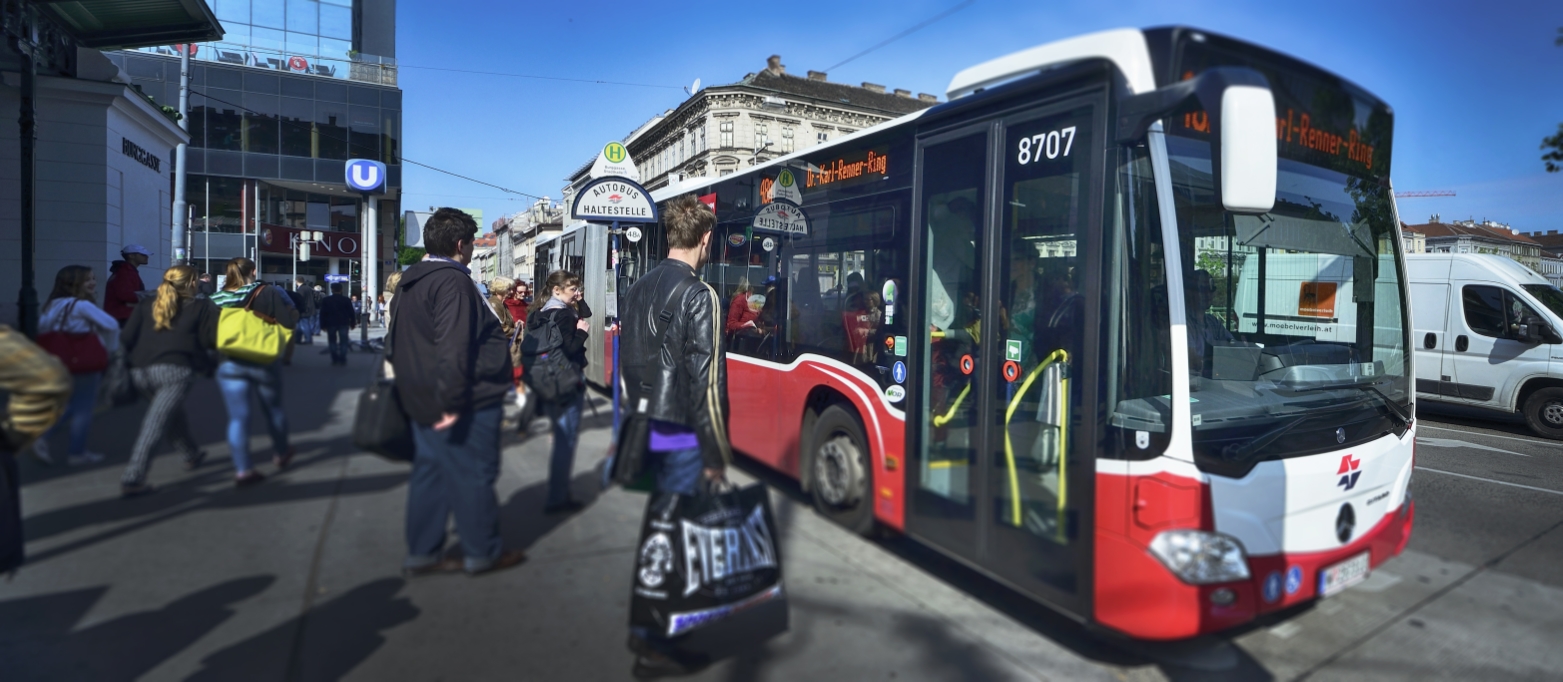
141,156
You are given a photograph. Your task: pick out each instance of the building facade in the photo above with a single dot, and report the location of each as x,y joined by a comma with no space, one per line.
518,234
766,115
292,90
1491,237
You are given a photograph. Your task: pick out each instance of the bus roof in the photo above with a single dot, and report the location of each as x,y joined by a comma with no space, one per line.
1124,47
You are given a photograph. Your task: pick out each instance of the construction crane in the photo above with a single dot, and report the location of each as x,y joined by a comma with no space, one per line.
1412,194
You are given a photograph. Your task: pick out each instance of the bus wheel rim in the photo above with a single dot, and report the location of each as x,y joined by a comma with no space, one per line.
837,472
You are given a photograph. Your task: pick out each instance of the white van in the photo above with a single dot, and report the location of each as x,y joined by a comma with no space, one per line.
1487,334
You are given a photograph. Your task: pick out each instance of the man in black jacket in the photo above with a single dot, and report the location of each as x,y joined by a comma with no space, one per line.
681,385
453,372
336,318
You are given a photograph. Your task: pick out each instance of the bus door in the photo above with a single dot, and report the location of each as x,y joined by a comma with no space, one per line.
1004,466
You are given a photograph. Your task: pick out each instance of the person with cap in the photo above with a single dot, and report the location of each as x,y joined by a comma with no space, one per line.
124,286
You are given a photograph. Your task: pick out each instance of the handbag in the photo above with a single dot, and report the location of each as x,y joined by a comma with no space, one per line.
244,334
706,558
117,389
380,426
80,352
634,438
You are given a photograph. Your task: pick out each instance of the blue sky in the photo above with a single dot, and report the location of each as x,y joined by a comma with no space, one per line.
1475,85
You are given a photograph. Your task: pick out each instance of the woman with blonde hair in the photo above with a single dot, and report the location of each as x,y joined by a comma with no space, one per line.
239,378
70,309
166,344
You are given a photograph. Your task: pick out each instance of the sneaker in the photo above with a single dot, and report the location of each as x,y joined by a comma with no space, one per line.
507,559
248,479
84,458
195,462
136,490
566,507
435,568
283,460
655,664
41,452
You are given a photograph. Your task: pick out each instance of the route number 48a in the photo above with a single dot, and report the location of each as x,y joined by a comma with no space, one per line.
1052,144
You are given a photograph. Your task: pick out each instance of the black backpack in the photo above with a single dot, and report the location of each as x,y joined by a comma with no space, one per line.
547,369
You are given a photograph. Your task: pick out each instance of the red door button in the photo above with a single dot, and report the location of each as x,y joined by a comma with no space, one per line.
1011,371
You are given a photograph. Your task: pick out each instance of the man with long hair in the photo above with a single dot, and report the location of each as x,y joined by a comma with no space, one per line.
681,386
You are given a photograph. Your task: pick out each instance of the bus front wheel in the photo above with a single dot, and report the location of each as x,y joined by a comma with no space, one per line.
841,477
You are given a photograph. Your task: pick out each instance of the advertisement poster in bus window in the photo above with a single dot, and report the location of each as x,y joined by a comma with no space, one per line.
1320,120
1316,299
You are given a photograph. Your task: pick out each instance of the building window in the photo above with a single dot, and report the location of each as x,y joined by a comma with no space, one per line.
821,138
786,140
727,134
760,136
700,139
726,172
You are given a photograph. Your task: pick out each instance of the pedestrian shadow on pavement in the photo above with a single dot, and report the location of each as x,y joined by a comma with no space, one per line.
325,643
36,641
188,496
521,519
1196,660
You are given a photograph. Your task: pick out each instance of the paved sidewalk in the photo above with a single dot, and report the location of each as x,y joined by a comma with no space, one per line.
297,579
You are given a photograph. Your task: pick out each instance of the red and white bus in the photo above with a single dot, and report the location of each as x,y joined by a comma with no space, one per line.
1122,325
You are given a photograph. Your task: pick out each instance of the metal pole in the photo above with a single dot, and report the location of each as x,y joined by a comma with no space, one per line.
616,294
181,214
372,277
363,275
207,221
293,247
27,297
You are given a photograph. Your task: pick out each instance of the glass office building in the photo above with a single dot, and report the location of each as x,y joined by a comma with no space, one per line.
293,90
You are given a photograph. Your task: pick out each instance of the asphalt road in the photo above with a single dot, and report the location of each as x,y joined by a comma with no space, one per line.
297,579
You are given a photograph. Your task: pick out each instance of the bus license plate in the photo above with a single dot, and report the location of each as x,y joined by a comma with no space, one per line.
1343,575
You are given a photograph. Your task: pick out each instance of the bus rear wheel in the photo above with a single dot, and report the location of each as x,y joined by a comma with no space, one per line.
1544,412
841,479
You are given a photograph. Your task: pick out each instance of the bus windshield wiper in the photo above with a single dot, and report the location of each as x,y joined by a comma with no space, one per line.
1371,386
1242,452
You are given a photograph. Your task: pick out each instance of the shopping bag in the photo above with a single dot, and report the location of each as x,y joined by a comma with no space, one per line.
380,425
705,558
117,389
247,335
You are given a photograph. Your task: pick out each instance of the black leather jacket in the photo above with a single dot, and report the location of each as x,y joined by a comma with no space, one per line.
684,381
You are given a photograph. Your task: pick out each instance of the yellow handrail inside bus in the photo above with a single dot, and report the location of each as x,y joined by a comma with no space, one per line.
1063,438
942,419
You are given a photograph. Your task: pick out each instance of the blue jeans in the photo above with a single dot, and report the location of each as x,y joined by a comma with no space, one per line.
453,473
566,422
307,326
336,339
238,380
78,413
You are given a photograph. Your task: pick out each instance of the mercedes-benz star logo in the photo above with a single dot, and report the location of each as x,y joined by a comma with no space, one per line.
1345,523
1340,435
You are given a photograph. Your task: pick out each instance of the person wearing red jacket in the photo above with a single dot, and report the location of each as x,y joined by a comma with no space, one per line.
124,286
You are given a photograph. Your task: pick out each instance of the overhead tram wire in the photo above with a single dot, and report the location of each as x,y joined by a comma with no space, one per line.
546,78
905,33
404,158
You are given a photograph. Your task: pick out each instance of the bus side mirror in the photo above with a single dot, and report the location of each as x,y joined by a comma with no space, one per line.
1247,150
1242,115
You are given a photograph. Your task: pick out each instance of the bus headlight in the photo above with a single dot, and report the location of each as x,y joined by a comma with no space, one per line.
1201,558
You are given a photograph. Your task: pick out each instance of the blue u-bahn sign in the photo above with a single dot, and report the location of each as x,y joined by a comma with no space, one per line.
364,175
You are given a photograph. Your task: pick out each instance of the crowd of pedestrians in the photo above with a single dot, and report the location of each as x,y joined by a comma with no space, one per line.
456,355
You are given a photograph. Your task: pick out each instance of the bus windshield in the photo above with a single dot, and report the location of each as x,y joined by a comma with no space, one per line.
1296,331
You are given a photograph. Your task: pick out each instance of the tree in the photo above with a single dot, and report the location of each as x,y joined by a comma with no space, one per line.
406,255
1554,145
